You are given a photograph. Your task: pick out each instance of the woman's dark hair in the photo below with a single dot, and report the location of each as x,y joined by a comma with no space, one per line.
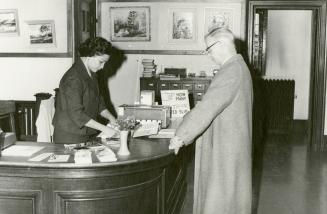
95,46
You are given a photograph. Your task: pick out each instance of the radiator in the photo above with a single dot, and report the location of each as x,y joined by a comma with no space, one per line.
280,104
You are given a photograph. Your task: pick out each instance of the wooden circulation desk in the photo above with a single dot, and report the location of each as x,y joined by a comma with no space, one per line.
151,180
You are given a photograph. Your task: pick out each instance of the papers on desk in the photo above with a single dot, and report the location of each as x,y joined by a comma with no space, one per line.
106,155
83,156
147,128
21,151
103,135
58,158
164,133
41,157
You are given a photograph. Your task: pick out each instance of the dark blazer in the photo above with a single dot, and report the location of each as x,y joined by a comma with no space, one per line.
78,101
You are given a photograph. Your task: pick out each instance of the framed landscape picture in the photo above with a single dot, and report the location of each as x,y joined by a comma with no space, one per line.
9,22
218,17
129,24
42,32
182,25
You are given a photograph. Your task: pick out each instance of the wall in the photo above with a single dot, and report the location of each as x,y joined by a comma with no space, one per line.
21,78
288,53
161,23
124,87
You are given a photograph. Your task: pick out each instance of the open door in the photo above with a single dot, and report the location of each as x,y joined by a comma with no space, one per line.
256,35
84,21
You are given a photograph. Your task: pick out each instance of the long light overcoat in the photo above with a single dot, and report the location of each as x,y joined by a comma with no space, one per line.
222,121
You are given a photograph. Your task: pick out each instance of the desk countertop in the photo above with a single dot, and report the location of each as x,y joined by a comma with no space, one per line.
142,150
150,180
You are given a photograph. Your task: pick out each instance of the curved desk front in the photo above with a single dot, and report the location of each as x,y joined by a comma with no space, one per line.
151,180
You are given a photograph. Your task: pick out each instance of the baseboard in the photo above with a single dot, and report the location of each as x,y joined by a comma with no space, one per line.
300,126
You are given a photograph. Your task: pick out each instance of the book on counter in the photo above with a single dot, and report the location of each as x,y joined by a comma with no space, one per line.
147,60
148,64
164,133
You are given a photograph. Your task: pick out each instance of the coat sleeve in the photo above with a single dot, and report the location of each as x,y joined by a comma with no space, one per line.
73,95
219,95
102,105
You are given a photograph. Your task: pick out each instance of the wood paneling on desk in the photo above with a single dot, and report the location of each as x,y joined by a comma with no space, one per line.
150,180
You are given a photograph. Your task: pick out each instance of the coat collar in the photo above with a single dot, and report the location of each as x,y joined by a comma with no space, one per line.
232,59
83,71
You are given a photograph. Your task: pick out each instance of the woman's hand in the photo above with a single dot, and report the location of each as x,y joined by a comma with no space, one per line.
109,132
176,143
106,114
113,121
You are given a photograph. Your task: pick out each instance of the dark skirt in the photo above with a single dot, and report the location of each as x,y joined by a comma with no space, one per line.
60,136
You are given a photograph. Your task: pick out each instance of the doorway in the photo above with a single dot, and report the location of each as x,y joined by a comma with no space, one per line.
84,22
257,52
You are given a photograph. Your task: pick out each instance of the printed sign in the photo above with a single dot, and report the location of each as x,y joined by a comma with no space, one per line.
178,100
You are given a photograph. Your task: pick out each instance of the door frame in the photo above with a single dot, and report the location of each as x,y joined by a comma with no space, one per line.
316,120
80,22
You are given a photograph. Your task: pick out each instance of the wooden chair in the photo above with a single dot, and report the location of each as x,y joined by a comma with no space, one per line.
7,115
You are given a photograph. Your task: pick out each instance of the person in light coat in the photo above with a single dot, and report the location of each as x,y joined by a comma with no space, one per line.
221,125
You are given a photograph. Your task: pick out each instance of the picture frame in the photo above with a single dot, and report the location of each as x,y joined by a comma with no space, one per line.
182,25
9,24
218,17
41,33
130,23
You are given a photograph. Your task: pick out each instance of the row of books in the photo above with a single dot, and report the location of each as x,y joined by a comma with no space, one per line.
149,68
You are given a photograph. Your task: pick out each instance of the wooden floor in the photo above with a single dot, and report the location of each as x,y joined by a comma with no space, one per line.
287,178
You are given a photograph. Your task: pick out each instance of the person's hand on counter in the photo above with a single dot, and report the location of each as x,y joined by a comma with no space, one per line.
113,122
176,143
106,114
108,132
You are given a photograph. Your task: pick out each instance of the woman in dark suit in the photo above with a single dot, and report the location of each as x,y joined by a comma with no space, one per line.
78,102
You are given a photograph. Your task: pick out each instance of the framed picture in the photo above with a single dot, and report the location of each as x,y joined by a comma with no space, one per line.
182,25
129,24
9,22
218,17
42,32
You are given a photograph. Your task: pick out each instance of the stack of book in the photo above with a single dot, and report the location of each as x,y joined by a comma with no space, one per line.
149,68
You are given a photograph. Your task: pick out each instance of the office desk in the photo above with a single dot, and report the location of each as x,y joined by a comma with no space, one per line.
150,180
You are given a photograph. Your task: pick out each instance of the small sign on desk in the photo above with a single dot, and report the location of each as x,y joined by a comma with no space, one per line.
178,100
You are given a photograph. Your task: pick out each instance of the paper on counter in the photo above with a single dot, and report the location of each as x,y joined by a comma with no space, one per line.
147,128
83,156
112,143
21,151
41,157
106,155
103,135
164,133
58,158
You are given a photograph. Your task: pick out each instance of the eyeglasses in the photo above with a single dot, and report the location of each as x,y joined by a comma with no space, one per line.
206,51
